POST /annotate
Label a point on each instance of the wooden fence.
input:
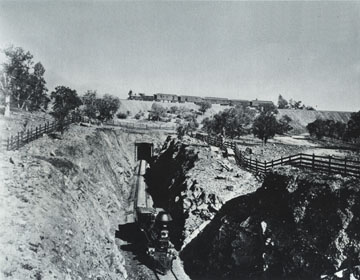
(14, 142)
(144, 126)
(327, 164)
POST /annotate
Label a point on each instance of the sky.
(307, 51)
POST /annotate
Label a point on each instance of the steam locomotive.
(154, 223)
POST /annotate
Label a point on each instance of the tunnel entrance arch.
(143, 151)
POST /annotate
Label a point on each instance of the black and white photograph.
(179, 140)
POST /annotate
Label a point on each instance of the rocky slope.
(298, 225)
(61, 202)
(192, 181)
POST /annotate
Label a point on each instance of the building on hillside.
(218, 100)
(188, 98)
(165, 97)
(239, 102)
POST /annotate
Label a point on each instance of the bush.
(122, 116)
(139, 115)
(174, 110)
(157, 112)
(204, 105)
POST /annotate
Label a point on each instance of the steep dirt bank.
(192, 181)
(298, 225)
(61, 202)
(301, 118)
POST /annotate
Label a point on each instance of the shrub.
(122, 116)
(157, 112)
(204, 105)
(139, 114)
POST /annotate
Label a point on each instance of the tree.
(107, 107)
(353, 126)
(292, 104)
(317, 128)
(190, 125)
(157, 112)
(27, 84)
(204, 105)
(89, 102)
(5, 93)
(37, 98)
(327, 128)
(283, 125)
(265, 126)
(232, 122)
(130, 94)
(282, 103)
(65, 100)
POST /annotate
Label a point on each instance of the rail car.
(154, 223)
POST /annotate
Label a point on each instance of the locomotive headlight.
(151, 251)
(164, 234)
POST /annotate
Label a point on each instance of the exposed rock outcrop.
(298, 225)
(184, 180)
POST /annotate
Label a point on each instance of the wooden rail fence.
(14, 142)
(143, 126)
(327, 164)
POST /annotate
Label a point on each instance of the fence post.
(256, 165)
(250, 165)
(329, 164)
(313, 161)
(40, 129)
(265, 165)
(18, 140)
(345, 166)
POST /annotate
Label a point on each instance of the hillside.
(61, 202)
(134, 106)
(300, 118)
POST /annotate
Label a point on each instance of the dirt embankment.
(61, 202)
(192, 181)
(298, 225)
(301, 118)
